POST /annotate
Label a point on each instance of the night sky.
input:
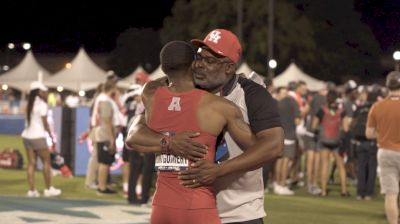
(63, 26)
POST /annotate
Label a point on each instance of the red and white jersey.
(173, 113)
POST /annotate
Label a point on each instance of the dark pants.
(254, 221)
(267, 170)
(140, 165)
(148, 174)
(367, 164)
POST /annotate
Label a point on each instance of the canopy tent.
(158, 73)
(83, 74)
(139, 72)
(293, 73)
(245, 69)
(27, 71)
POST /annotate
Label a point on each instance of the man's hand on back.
(201, 173)
(182, 144)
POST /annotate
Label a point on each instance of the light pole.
(270, 36)
(396, 57)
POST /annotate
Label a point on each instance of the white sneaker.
(277, 188)
(51, 192)
(91, 186)
(285, 191)
(33, 194)
(314, 190)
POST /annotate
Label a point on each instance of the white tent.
(245, 69)
(27, 71)
(131, 78)
(83, 74)
(293, 73)
(158, 73)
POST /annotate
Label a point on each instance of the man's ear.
(231, 68)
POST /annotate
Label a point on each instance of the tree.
(326, 38)
(194, 19)
(346, 46)
(135, 47)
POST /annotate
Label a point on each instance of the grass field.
(301, 208)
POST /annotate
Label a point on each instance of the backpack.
(11, 159)
(330, 127)
(359, 123)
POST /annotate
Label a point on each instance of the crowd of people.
(216, 150)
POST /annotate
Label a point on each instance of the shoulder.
(214, 100)
(255, 94)
(152, 86)
(380, 105)
(262, 108)
(251, 87)
(40, 103)
(218, 104)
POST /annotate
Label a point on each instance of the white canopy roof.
(27, 71)
(293, 73)
(130, 79)
(158, 73)
(84, 74)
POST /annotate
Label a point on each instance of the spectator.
(34, 139)
(383, 124)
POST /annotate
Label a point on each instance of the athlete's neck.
(181, 84)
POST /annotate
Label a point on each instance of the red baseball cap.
(222, 42)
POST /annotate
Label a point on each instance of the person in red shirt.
(180, 107)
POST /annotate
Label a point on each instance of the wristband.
(164, 143)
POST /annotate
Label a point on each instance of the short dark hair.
(176, 56)
(331, 97)
(393, 81)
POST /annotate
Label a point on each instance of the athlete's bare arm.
(234, 122)
(143, 139)
(266, 146)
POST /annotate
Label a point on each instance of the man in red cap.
(240, 192)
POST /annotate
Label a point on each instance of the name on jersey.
(166, 162)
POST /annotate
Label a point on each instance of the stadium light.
(26, 46)
(272, 63)
(60, 88)
(11, 46)
(396, 57)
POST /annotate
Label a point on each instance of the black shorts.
(329, 146)
(125, 155)
(103, 154)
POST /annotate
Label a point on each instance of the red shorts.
(167, 215)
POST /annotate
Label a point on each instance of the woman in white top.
(34, 138)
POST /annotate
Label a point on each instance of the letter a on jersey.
(175, 104)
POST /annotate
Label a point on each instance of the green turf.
(301, 208)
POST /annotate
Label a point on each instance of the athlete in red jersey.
(175, 109)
